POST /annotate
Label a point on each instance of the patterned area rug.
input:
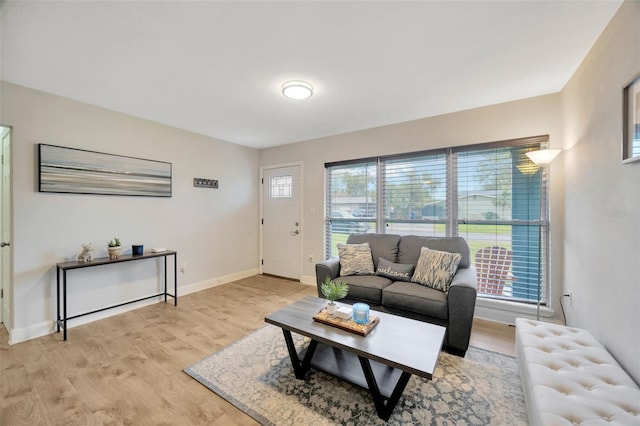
(256, 376)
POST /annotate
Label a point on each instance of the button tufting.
(569, 371)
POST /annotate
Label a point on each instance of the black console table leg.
(64, 304)
(57, 300)
(175, 279)
(165, 279)
(384, 406)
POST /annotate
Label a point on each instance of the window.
(415, 190)
(281, 187)
(351, 202)
(490, 194)
(498, 213)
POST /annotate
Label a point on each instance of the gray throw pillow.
(436, 269)
(355, 259)
(395, 271)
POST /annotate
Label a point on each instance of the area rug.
(255, 375)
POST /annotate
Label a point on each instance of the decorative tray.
(346, 324)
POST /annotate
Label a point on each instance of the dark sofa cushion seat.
(382, 245)
(366, 288)
(416, 298)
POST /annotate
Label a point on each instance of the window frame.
(452, 221)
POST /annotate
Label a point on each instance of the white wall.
(214, 231)
(530, 117)
(602, 209)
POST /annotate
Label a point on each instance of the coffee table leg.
(299, 368)
(384, 406)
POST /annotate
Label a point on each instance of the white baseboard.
(506, 312)
(17, 335)
(308, 279)
(214, 282)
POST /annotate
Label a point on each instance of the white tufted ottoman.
(569, 378)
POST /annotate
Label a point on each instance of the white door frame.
(300, 215)
(6, 278)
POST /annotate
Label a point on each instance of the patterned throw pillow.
(355, 259)
(395, 271)
(436, 268)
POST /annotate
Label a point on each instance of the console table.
(67, 266)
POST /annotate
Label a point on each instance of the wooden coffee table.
(381, 362)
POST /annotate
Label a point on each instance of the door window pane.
(281, 187)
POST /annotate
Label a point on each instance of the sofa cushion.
(382, 245)
(410, 245)
(395, 271)
(416, 298)
(366, 288)
(355, 259)
(436, 269)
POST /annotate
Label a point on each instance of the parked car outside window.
(347, 227)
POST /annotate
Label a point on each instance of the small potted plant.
(332, 291)
(114, 248)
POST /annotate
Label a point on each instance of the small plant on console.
(114, 248)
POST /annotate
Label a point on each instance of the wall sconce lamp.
(543, 157)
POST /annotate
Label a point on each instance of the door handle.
(3, 244)
(296, 232)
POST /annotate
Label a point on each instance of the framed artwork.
(70, 170)
(631, 121)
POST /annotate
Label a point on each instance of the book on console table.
(346, 324)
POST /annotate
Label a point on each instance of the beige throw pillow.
(436, 268)
(355, 259)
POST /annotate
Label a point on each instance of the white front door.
(5, 224)
(281, 226)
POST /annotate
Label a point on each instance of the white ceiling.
(216, 68)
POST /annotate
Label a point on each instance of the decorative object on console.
(78, 171)
(158, 249)
(361, 313)
(114, 248)
(137, 250)
(87, 253)
(332, 291)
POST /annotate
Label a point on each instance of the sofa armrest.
(462, 305)
(329, 268)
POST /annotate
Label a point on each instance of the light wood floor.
(127, 369)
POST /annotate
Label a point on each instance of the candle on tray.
(361, 313)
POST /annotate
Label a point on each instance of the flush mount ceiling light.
(297, 89)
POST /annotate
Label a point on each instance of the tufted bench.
(569, 378)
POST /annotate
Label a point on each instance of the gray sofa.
(453, 309)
